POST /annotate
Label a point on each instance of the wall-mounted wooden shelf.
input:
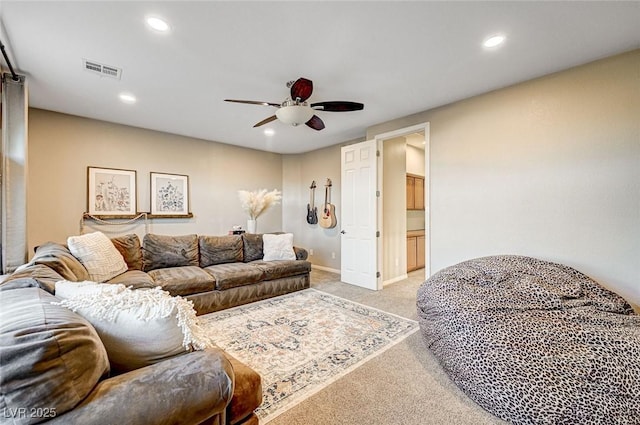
(190, 215)
(134, 216)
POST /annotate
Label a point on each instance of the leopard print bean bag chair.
(534, 342)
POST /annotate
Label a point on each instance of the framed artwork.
(111, 192)
(169, 195)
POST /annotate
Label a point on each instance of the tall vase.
(251, 225)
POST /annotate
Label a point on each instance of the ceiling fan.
(295, 110)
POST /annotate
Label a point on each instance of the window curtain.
(13, 183)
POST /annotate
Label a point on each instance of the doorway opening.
(403, 205)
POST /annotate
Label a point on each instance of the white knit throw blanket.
(144, 304)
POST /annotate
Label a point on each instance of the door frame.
(380, 138)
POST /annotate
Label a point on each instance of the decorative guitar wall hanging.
(312, 210)
(328, 218)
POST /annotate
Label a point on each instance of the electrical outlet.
(333, 255)
(311, 252)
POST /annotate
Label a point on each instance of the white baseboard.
(326, 269)
(395, 279)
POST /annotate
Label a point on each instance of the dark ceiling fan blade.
(301, 90)
(315, 122)
(265, 121)
(253, 102)
(337, 106)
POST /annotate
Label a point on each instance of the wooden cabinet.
(415, 250)
(415, 192)
(412, 253)
(411, 193)
(420, 252)
(419, 193)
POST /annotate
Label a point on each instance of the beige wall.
(415, 160)
(549, 168)
(62, 146)
(316, 165)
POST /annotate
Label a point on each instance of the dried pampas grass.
(258, 201)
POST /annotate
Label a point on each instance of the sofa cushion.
(130, 249)
(58, 258)
(161, 251)
(23, 282)
(134, 279)
(247, 391)
(183, 280)
(231, 275)
(189, 389)
(45, 276)
(252, 247)
(282, 268)
(50, 357)
(220, 249)
(98, 255)
(278, 247)
(138, 327)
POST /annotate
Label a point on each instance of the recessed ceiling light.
(127, 98)
(494, 40)
(158, 24)
(269, 132)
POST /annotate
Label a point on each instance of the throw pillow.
(130, 249)
(278, 247)
(140, 327)
(65, 289)
(98, 255)
(252, 247)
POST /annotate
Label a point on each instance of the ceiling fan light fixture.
(295, 114)
(295, 110)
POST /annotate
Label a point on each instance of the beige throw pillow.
(66, 289)
(278, 247)
(98, 255)
(137, 327)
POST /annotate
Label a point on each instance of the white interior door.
(358, 244)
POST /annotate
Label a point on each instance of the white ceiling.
(396, 57)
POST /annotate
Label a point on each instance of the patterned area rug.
(302, 342)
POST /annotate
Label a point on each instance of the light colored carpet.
(405, 385)
(303, 341)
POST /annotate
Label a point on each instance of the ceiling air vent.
(101, 69)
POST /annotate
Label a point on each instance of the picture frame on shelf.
(111, 192)
(169, 195)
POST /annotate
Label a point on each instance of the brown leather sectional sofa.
(51, 355)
